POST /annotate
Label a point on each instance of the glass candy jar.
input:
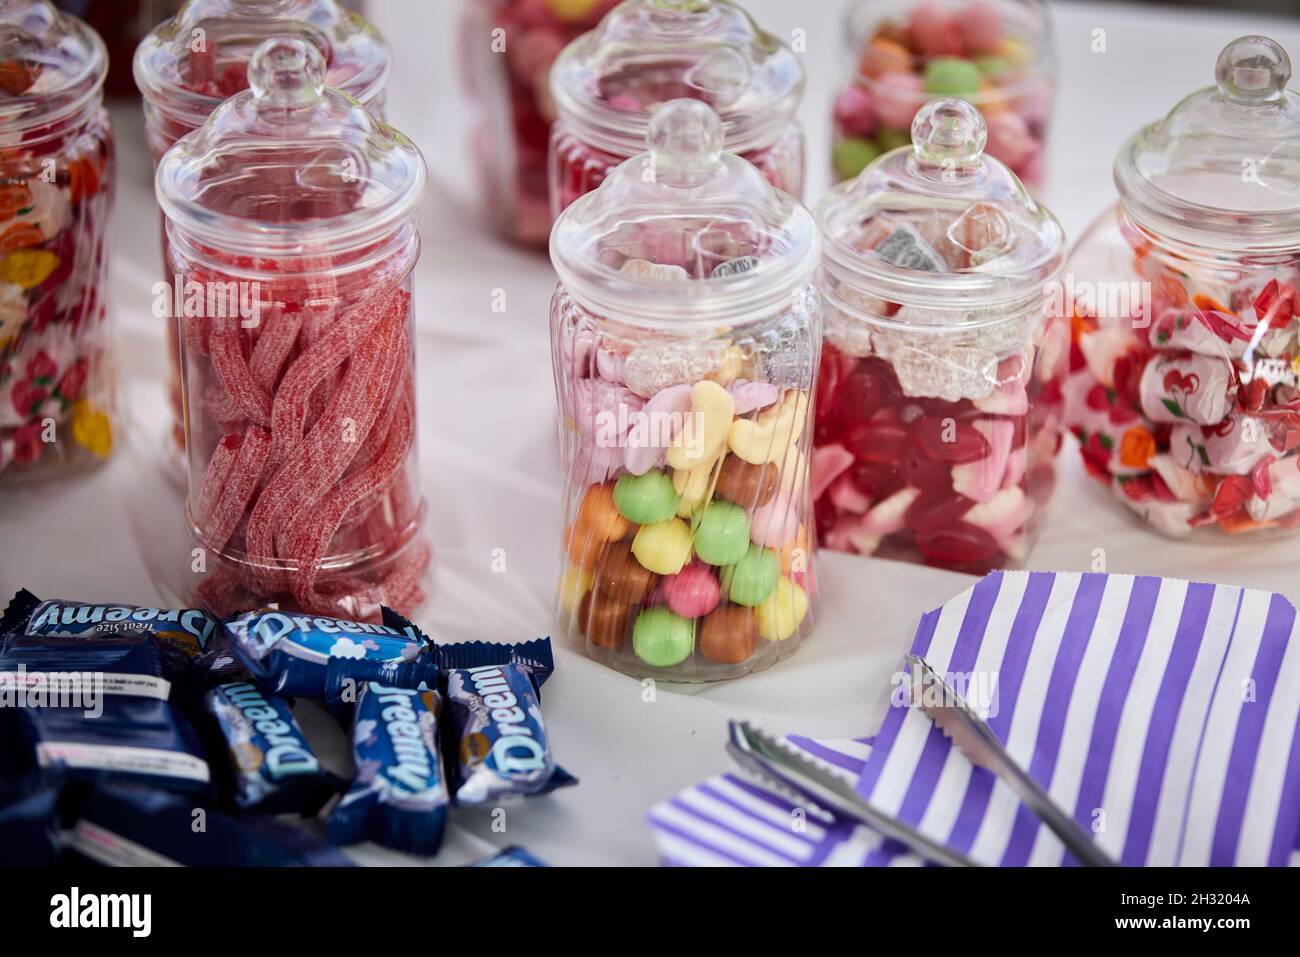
(291, 229)
(56, 186)
(607, 84)
(685, 336)
(997, 54)
(189, 64)
(508, 48)
(1184, 387)
(939, 405)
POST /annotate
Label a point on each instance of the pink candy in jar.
(996, 54)
(939, 403)
(608, 83)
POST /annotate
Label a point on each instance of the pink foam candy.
(981, 480)
(827, 464)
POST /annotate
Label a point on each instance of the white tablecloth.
(487, 441)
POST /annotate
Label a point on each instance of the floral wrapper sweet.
(272, 767)
(1181, 388)
(290, 653)
(399, 795)
(502, 749)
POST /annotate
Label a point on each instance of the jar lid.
(1223, 168)
(939, 224)
(289, 155)
(51, 65)
(610, 81)
(192, 62)
(685, 233)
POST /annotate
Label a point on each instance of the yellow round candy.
(28, 267)
(663, 548)
(574, 584)
(91, 428)
(1014, 52)
(780, 614)
(571, 10)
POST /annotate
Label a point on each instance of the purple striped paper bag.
(1162, 714)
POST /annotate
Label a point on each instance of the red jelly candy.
(878, 441)
(945, 439)
(859, 398)
(876, 480)
(936, 509)
(960, 545)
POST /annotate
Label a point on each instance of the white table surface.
(489, 469)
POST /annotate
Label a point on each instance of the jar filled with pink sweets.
(939, 405)
(508, 47)
(685, 335)
(56, 195)
(1184, 386)
(997, 54)
(608, 83)
(291, 231)
(190, 64)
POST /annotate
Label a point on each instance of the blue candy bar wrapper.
(124, 825)
(399, 796)
(289, 653)
(501, 746)
(345, 676)
(512, 856)
(28, 825)
(273, 768)
(89, 708)
(188, 630)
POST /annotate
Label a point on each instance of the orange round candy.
(884, 55)
(800, 546)
(599, 516)
(582, 547)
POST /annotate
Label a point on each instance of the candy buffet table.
(488, 459)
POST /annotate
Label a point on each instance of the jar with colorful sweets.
(685, 334)
(508, 48)
(939, 405)
(608, 83)
(291, 229)
(997, 54)
(56, 186)
(190, 64)
(1184, 386)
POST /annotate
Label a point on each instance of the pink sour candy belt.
(306, 496)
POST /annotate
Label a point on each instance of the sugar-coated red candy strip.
(277, 334)
(214, 478)
(241, 482)
(227, 354)
(219, 592)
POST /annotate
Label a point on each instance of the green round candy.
(992, 66)
(751, 580)
(893, 139)
(662, 639)
(722, 536)
(949, 76)
(850, 156)
(646, 499)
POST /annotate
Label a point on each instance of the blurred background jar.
(56, 189)
(685, 335)
(997, 54)
(940, 400)
(189, 64)
(608, 83)
(291, 227)
(1184, 390)
(508, 47)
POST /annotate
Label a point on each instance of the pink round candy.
(751, 396)
(693, 592)
(980, 25)
(775, 523)
(898, 97)
(855, 111)
(935, 32)
(1010, 139)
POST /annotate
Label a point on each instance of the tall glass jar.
(56, 195)
(1184, 390)
(508, 47)
(291, 230)
(685, 334)
(608, 83)
(997, 54)
(939, 408)
(189, 64)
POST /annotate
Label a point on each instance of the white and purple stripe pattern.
(1161, 713)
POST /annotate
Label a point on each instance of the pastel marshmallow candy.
(704, 432)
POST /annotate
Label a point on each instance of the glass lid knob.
(685, 140)
(287, 71)
(1252, 70)
(948, 135)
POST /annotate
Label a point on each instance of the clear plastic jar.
(189, 64)
(1184, 391)
(685, 337)
(508, 48)
(939, 406)
(291, 230)
(997, 54)
(56, 195)
(608, 83)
